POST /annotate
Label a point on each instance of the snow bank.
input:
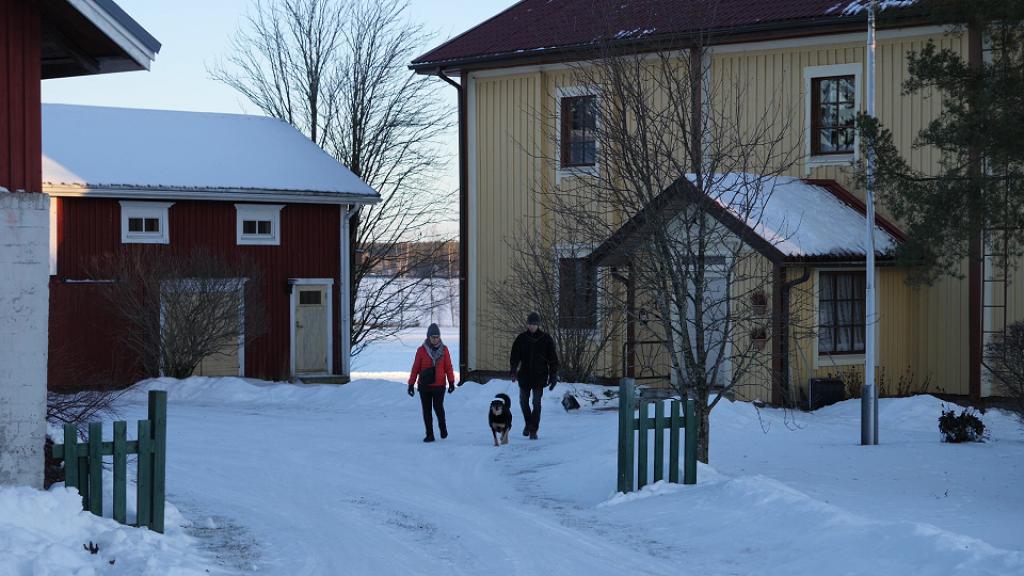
(43, 533)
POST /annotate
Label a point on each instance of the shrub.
(963, 427)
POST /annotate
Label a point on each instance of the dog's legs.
(495, 434)
(504, 436)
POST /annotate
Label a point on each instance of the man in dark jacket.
(534, 364)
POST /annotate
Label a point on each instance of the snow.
(798, 218)
(325, 479)
(858, 6)
(99, 147)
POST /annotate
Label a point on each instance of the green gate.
(635, 428)
(84, 468)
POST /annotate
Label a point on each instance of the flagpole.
(869, 393)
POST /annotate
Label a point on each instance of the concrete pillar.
(24, 314)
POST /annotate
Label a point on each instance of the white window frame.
(810, 73)
(271, 212)
(570, 171)
(132, 209)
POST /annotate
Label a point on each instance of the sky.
(196, 34)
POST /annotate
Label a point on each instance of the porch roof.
(122, 152)
(784, 218)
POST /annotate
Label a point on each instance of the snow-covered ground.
(323, 479)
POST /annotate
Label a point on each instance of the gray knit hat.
(433, 330)
(533, 318)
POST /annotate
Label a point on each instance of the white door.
(716, 310)
(311, 329)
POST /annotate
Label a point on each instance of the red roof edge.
(846, 197)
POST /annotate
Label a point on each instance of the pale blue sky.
(196, 33)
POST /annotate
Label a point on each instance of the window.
(577, 294)
(841, 312)
(259, 224)
(309, 297)
(145, 223)
(833, 115)
(579, 121)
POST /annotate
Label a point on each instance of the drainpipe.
(781, 290)
(345, 307)
(463, 225)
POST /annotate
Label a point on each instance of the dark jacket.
(534, 359)
(442, 370)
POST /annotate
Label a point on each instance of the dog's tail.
(506, 400)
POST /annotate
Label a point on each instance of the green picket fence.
(84, 468)
(635, 428)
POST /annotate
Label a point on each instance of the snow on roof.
(799, 218)
(102, 148)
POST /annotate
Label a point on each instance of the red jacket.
(423, 361)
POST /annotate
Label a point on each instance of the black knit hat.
(433, 330)
(533, 318)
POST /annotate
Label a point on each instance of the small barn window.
(309, 297)
(577, 294)
(259, 224)
(841, 312)
(579, 123)
(144, 222)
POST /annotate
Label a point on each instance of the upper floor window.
(833, 115)
(258, 224)
(577, 294)
(145, 222)
(579, 122)
(841, 312)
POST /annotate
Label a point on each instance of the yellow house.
(523, 119)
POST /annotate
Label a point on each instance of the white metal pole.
(869, 396)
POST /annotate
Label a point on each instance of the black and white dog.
(499, 418)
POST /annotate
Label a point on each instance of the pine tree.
(979, 133)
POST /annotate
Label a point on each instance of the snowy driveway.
(282, 479)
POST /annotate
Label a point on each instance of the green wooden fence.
(635, 427)
(85, 470)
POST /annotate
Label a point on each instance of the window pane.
(846, 89)
(579, 119)
(264, 227)
(847, 115)
(248, 227)
(826, 90)
(152, 224)
(826, 139)
(309, 297)
(135, 225)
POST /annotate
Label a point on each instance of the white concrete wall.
(24, 311)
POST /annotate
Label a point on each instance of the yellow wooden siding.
(223, 363)
(507, 139)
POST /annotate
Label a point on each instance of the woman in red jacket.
(431, 367)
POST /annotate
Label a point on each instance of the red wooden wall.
(20, 75)
(83, 335)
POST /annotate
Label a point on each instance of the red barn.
(127, 180)
(39, 40)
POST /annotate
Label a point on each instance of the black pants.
(531, 417)
(433, 396)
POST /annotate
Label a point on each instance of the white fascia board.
(218, 195)
(113, 29)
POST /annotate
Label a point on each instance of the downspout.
(781, 290)
(345, 305)
(463, 226)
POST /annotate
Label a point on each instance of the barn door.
(311, 330)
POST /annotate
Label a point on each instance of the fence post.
(675, 423)
(120, 472)
(96, 468)
(641, 449)
(659, 440)
(158, 420)
(144, 497)
(70, 456)
(690, 457)
(625, 483)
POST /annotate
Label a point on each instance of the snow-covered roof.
(785, 218)
(122, 149)
(798, 218)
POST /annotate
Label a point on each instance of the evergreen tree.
(979, 133)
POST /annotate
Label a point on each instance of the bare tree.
(182, 308)
(1007, 351)
(674, 148)
(570, 303)
(336, 70)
